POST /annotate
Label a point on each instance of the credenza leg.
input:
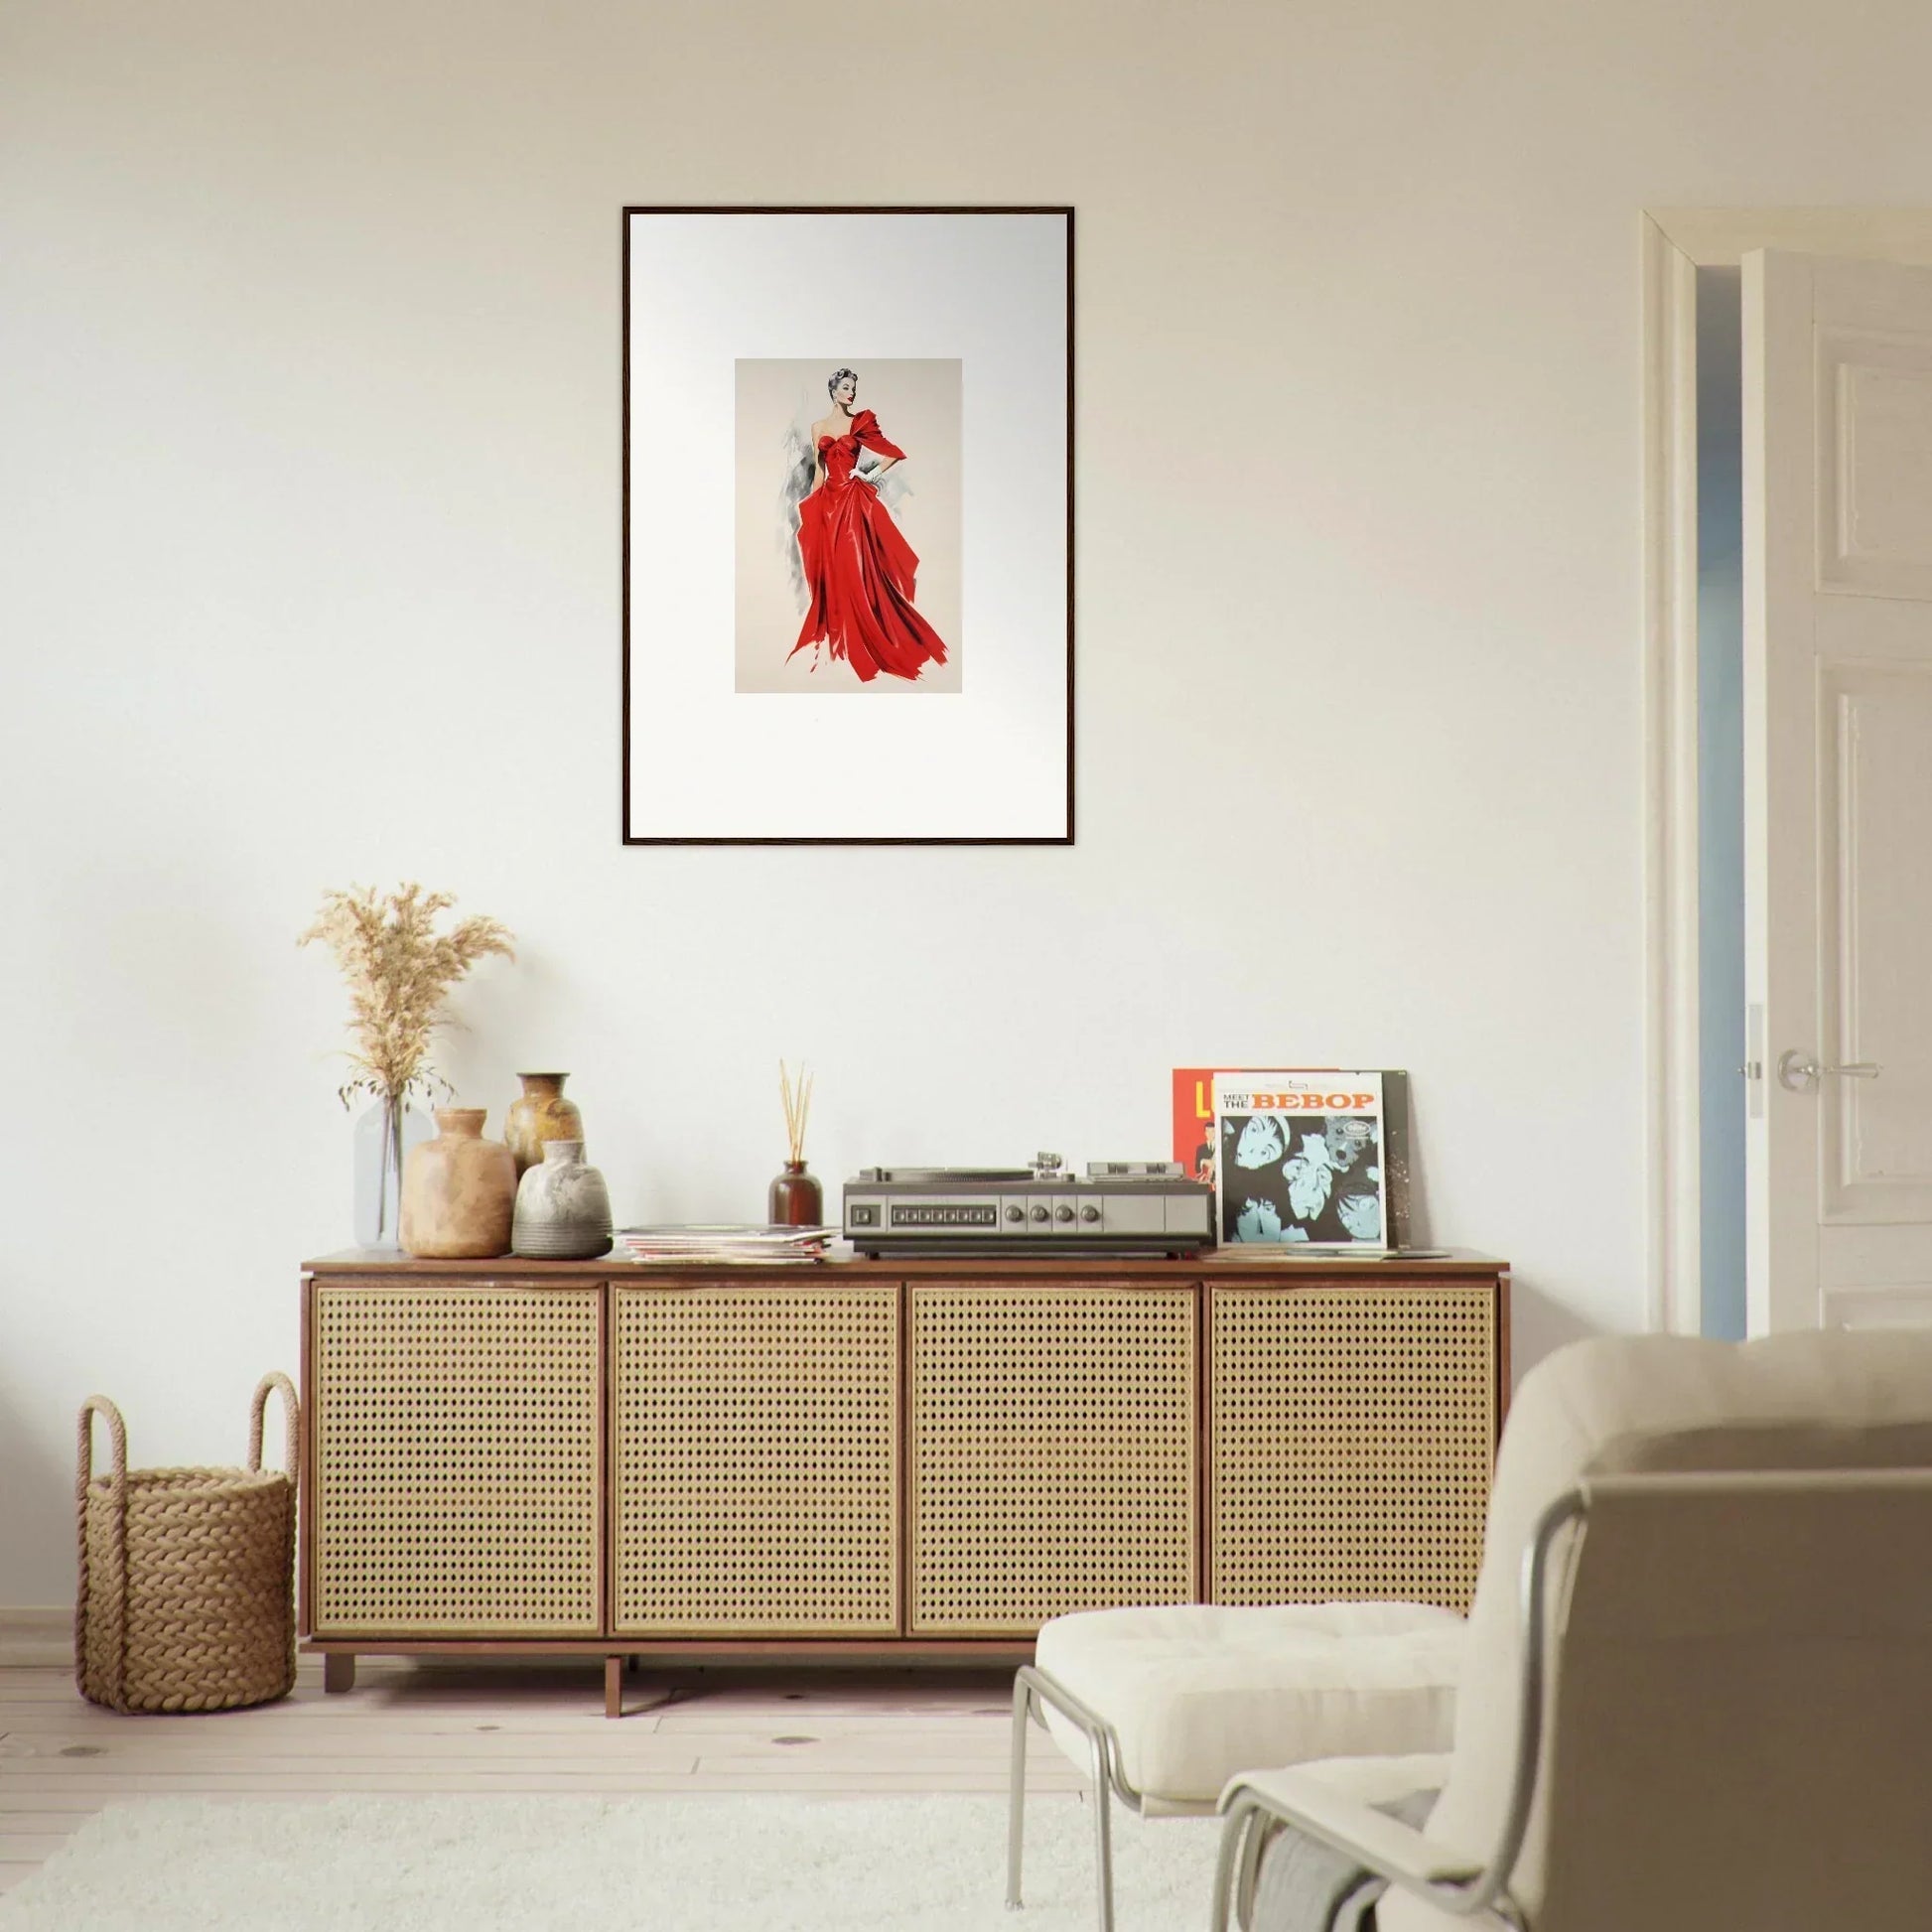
(338, 1670)
(613, 1687)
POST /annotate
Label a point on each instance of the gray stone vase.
(563, 1209)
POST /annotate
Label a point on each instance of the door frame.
(1675, 243)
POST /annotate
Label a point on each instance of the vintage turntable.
(1117, 1208)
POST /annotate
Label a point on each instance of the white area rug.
(763, 1864)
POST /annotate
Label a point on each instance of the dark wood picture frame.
(631, 835)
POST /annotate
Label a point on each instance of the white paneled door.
(1837, 808)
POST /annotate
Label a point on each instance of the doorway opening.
(1721, 801)
(1715, 1215)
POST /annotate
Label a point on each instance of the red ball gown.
(859, 568)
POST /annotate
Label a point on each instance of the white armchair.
(1698, 1690)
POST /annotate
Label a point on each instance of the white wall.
(309, 450)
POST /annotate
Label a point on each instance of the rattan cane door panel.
(456, 1474)
(754, 1460)
(1352, 1439)
(1053, 1461)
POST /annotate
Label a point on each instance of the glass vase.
(795, 1199)
(385, 1131)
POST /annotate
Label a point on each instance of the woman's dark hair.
(835, 378)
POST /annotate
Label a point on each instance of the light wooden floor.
(442, 1728)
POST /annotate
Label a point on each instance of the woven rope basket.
(186, 1596)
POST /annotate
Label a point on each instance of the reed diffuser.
(795, 1199)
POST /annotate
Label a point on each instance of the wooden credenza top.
(1212, 1265)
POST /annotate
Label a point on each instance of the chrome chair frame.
(1480, 1895)
(1032, 1689)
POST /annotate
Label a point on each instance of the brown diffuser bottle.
(795, 1199)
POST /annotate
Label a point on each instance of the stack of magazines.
(723, 1241)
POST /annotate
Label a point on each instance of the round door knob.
(1062, 1213)
(1039, 1214)
(1016, 1212)
(1089, 1213)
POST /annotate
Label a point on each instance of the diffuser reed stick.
(797, 1099)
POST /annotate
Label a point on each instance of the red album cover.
(1194, 1120)
(1194, 1117)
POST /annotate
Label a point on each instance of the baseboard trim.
(38, 1636)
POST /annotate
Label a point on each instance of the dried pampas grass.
(399, 971)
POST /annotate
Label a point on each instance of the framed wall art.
(848, 525)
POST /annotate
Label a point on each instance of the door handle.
(1801, 1072)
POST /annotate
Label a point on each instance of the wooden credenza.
(906, 1459)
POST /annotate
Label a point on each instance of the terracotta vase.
(459, 1190)
(795, 1199)
(563, 1209)
(541, 1114)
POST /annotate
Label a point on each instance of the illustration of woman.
(858, 568)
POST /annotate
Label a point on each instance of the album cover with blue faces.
(1302, 1158)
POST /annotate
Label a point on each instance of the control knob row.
(1041, 1213)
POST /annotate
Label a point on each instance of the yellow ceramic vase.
(459, 1192)
(542, 1114)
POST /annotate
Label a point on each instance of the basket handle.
(98, 1404)
(275, 1379)
(114, 1643)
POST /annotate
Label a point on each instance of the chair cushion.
(1197, 1692)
